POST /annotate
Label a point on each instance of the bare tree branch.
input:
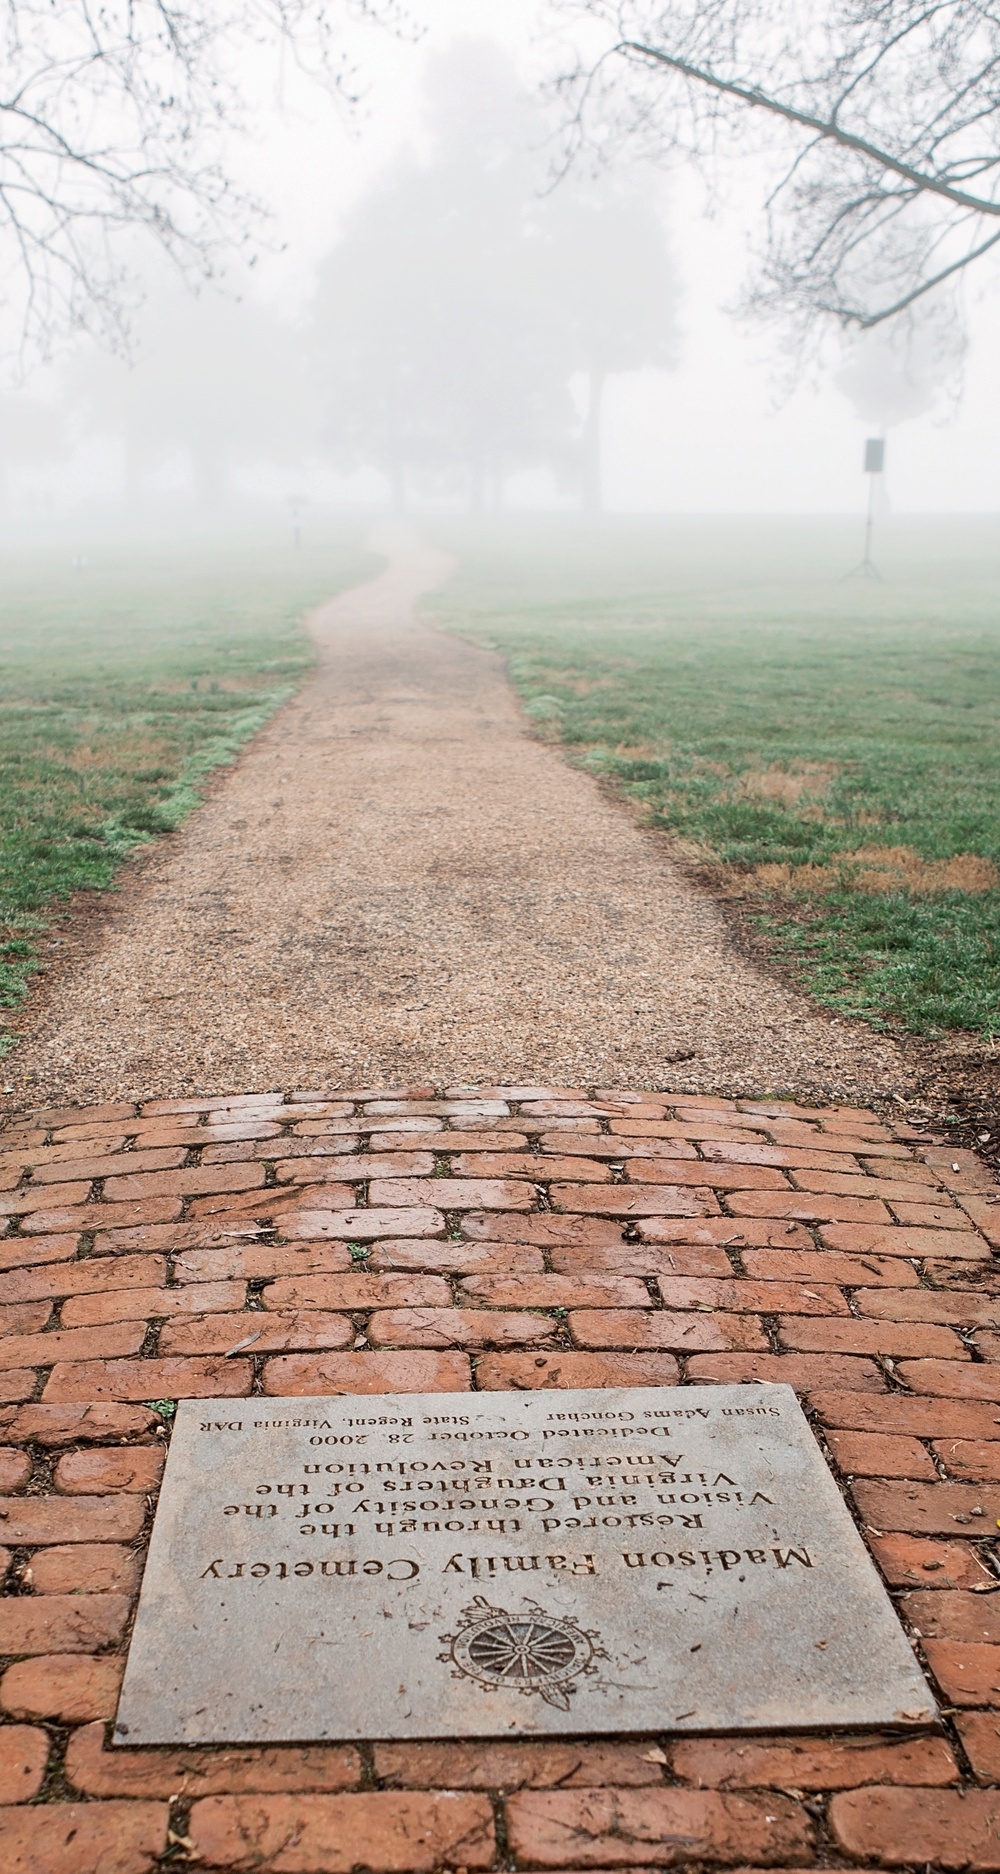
(117, 119)
(885, 115)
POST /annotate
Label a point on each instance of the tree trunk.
(397, 485)
(592, 490)
(477, 484)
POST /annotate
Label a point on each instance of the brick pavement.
(507, 1237)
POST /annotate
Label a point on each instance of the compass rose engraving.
(529, 1652)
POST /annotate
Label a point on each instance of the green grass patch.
(830, 746)
(123, 685)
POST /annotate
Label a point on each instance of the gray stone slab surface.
(507, 1564)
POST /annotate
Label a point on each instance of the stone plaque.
(484, 1564)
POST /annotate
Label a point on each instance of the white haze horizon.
(715, 435)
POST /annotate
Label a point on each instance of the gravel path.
(397, 884)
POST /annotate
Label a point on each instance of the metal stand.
(866, 568)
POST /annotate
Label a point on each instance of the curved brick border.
(499, 1237)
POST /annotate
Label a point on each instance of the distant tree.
(33, 433)
(615, 288)
(439, 348)
(115, 118)
(214, 379)
(885, 115)
(462, 298)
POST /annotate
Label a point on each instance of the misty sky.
(715, 435)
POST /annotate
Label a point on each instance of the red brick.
(967, 1674)
(24, 1753)
(150, 1379)
(812, 1763)
(916, 1176)
(617, 1149)
(506, 1765)
(803, 1208)
(456, 1327)
(740, 1233)
(192, 1181)
(83, 1838)
(540, 1168)
(605, 1828)
(525, 1372)
(110, 1111)
(710, 1126)
(26, 1317)
(951, 1379)
(83, 1343)
(742, 1295)
(714, 1176)
(959, 1170)
(363, 1226)
(681, 1333)
(941, 1216)
(226, 1208)
(191, 1773)
(959, 1306)
(911, 1562)
(914, 1338)
(17, 1252)
(894, 1191)
(980, 1735)
(18, 1384)
(134, 1467)
(399, 1136)
(312, 1168)
(5, 1561)
(360, 1291)
(635, 1200)
(15, 1468)
(983, 1212)
(91, 1424)
(858, 1239)
(971, 1617)
(554, 1291)
(827, 1265)
(21, 1203)
(84, 1568)
(639, 1259)
(106, 1165)
(257, 1333)
(542, 1227)
(336, 1373)
(254, 1261)
(806, 1371)
(86, 1278)
(217, 1102)
(972, 1458)
(396, 1255)
(787, 1157)
(67, 1687)
(408, 1106)
(452, 1193)
(147, 1304)
(31, 1520)
(867, 1454)
(380, 1829)
(61, 1623)
(106, 1216)
(956, 1274)
(929, 1509)
(920, 1417)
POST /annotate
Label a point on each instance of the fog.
(435, 322)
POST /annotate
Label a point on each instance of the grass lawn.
(122, 685)
(829, 748)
